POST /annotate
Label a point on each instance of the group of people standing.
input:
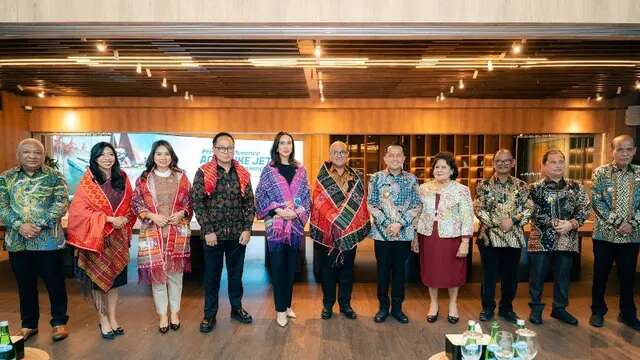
(434, 219)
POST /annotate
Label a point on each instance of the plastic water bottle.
(471, 348)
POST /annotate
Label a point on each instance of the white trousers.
(168, 294)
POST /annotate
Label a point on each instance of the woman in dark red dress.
(444, 229)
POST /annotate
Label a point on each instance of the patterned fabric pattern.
(155, 259)
(339, 220)
(564, 200)
(87, 224)
(274, 192)
(227, 211)
(616, 199)
(496, 200)
(41, 199)
(210, 171)
(454, 211)
(393, 199)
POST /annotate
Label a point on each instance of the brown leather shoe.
(27, 333)
(59, 333)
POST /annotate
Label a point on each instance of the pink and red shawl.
(155, 259)
(274, 192)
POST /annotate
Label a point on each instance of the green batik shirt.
(496, 200)
(616, 199)
(40, 199)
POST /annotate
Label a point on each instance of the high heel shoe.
(119, 331)
(453, 319)
(433, 318)
(174, 327)
(108, 336)
(290, 313)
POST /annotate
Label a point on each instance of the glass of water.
(504, 341)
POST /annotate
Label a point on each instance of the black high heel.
(453, 319)
(433, 318)
(119, 331)
(108, 336)
(174, 327)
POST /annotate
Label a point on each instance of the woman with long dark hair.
(100, 223)
(284, 202)
(162, 201)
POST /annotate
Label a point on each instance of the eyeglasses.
(503, 162)
(340, 153)
(224, 150)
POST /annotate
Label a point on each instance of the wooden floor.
(307, 337)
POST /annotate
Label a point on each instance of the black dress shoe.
(509, 316)
(381, 316)
(432, 318)
(326, 314)
(486, 315)
(174, 327)
(631, 322)
(536, 317)
(241, 315)
(400, 316)
(596, 320)
(564, 316)
(207, 324)
(453, 319)
(349, 313)
(119, 331)
(107, 336)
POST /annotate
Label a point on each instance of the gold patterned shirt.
(496, 200)
(616, 200)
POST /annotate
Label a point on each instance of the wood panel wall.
(13, 128)
(313, 121)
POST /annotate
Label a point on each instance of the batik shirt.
(565, 200)
(40, 199)
(616, 199)
(393, 199)
(226, 212)
(496, 200)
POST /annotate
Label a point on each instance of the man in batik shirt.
(616, 233)
(503, 207)
(33, 199)
(394, 203)
(560, 207)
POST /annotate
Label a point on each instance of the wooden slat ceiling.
(284, 82)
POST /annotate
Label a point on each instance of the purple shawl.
(274, 192)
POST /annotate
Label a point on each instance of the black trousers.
(391, 257)
(499, 262)
(27, 266)
(626, 259)
(234, 253)
(340, 270)
(540, 262)
(284, 261)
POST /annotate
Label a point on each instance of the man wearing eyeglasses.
(339, 220)
(503, 207)
(223, 202)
